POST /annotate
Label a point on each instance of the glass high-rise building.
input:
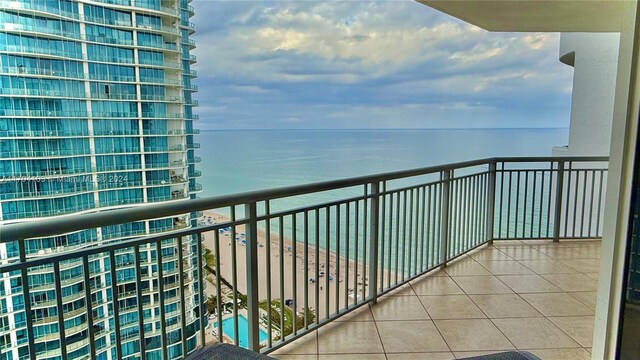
(96, 113)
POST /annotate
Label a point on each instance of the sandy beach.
(330, 280)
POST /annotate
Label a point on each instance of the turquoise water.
(239, 161)
(243, 330)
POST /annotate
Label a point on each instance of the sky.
(370, 64)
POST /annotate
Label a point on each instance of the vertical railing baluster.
(418, 246)
(183, 306)
(404, 234)
(549, 196)
(468, 212)
(381, 237)
(136, 264)
(282, 268)
(454, 217)
(558, 205)
(365, 230)
(201, 279)
(294, 271)
(584, 203)
(251, 234)
(397, 247)
(234, 278)
(60, 310)
(28, 316)
(89, 305)
(409, 217)
(509, 191)
(430, 229)
(423, 228)
(163, 318)
(482, 190)
(501, 200)
(600, 185)
(491, 201)
(541, 211)
(373, 242)
(316, 295)
(591, 199)
(420, 212)
(567, 207)
(444, 216)
(472, 196)
(524, 207)
(337, 278)
(114, 301)
(327, 260)
(437, 222)
(517, 205)
(347, 255)
(267, 212)
(216, 245)
(575, 204)
(390, 239)
(533, 203)
(306, 267)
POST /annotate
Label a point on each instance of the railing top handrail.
(64, 224)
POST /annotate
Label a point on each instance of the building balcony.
(164, 29)
(447, 261)
(37, 7)
(153, 8)
(190, 42)
(190, 9)
(537, 296)
(189, 25)
(195, 160)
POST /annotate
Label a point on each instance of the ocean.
(240, 161)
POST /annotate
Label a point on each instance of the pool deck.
(242, 313)
(537, 296)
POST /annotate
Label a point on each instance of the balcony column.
(251, 232)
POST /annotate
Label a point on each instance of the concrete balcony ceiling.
(535, 15)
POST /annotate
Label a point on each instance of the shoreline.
(322, 279)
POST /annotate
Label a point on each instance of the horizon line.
(395, 129)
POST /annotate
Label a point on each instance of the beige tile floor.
(536, 296)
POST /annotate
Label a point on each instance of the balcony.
(445, 261)
(536, 296)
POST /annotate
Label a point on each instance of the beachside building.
(96, 114)
(594, 58)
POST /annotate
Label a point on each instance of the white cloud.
(369, 55)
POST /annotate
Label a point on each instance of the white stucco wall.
(594, 57)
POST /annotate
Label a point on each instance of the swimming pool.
(243, 330)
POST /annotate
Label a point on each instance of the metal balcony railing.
(371, 235)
